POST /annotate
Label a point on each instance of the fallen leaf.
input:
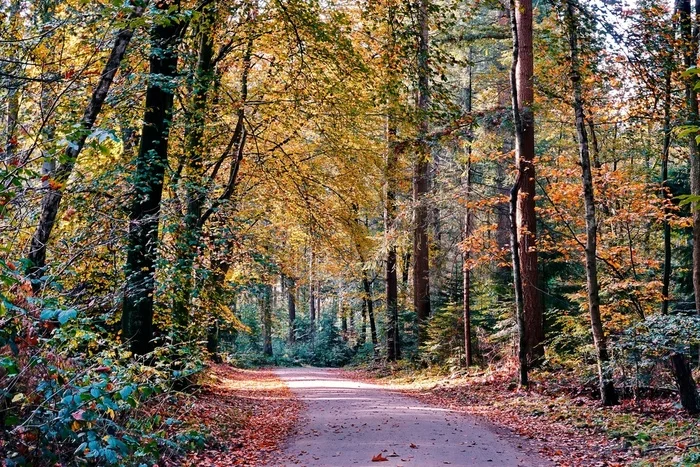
(379, 458)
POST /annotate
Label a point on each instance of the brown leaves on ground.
(248, 412)
(379, 458)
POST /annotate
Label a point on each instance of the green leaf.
(126, 392)
(49, 314)
(66, 315)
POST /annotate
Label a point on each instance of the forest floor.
(569, 430)
(246, 414)
(347, 423)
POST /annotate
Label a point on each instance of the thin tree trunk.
(343, 320)
(421, 181)
(468, 219)
(369, 305)
(291, 309)
(52, 198)
(525, 155)
(466, 267)
(267, 320)
(392, 306)
(312, 295)
(665, 290)
(142, 246)
(363, 324)
(607, 389)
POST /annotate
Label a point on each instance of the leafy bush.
(70, 396)
(640, 354)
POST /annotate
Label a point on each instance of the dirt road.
(347, 423)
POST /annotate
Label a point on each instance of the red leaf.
(379, 458)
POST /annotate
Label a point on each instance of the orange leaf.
(379, 458)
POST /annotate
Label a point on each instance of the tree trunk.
(686, 384)
(690, 50)
(51, 201)
(343, 320)
(525, 155)
(466, 267)
(514, 206)
(312, 296)
(665, 290)
(369, 305)
(142, 246)
(189, 241)
(267, 320)
(292, 309)
(363, 325)
(421, 185)
(468, 219)
(607, 389)
(392, 306)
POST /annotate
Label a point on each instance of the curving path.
(346, 423)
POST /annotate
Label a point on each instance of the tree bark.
(514, 206)
(144, 217)
(607, 389)
(392, 306)
(690, 50)
(267, 320)
(525, 155)
(312, 295)
(665, 290)
(195, 149)
(291, 309)
(51, 201)
(421, 182)
(369, 305)
(686, 384)
(466, 267)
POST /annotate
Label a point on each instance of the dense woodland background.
(301, 182)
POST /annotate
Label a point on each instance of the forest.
(502, 196)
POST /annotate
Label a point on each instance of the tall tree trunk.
(607, 389)
(421, 181)
(665, 290)
(267, 320)
(144, 217)
(466, 267)
(51, 201)
(690, 50)
(369, 306)
(392, 305)
(515, 249)
(189, 242)
(342, 309)
(468, 219)
(363, 325)
(291, 309)
(525, 155)
(312, 295)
